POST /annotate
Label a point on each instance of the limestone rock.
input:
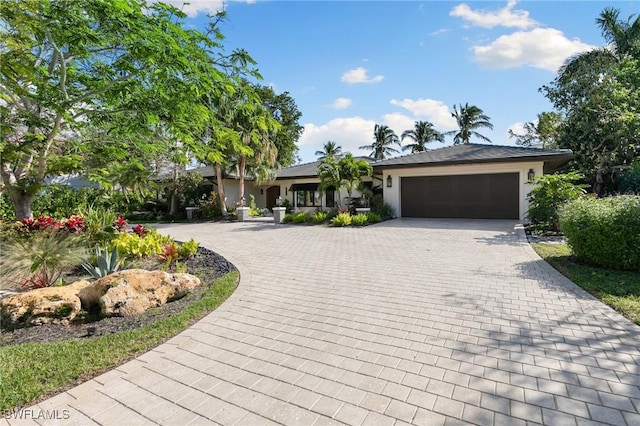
(133, 291)
(44, 305)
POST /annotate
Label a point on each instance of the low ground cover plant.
(604, 231)
(320, 217)
(359, 220)
(341, 220)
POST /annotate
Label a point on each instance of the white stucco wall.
(392, 195)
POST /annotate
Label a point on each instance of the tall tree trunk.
(22, 203)
(173, 205)
(223, 202)
(173, 209)
(242, 168)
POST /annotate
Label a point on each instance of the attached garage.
(470, 181)
(479, 196)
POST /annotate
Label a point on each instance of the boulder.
(133, 291)
(49, 305)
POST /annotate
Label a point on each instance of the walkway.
(424, 322)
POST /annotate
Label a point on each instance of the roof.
(308, 170)
(475, 153)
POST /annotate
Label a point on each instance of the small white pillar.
(243, 213)
(278, 214)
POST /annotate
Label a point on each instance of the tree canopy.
(598, 93)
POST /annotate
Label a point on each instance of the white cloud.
(398, 122)
(197, 6)
(545, 48)
(359, 75)
(348, 132)
(505, 17)
(434, 111)
(438, 32)
(342, 103)
(517, 128)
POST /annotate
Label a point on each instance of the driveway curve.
(422, 322)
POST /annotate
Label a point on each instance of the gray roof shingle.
(475, 153)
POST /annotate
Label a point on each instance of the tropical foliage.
(598, 94)
(545, 131)
(329, 149)
(383, 139)
(123, 91)
(422, 134)
(347, 173)
(469, 118)
(549, 194)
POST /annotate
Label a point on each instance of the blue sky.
(352, 64)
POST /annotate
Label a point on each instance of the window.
(331, 197)
(308, 199)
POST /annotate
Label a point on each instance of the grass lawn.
(29, 371)
(618, 289)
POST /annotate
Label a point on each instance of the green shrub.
(288, 218)
(342, 219)
(382, 209)
(301, 217)
(99, 225)
(137, 245)
(188, 249)
(287, 205)
(629, 181)
(6, 208)
(253, 209)
(359, 220)
(320, 217)
(373, 217)
(604, 232)
(210, 208)
(548, 195)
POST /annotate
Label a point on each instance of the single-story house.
(472, 181)
(466, 181)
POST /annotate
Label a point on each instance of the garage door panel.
(486, 196)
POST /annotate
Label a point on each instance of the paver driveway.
(409, 321)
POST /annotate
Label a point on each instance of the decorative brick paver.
(405, 322)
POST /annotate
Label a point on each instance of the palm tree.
(469, 118)
(330, 149)
(383, 137)
(623, 40)
(422, 133)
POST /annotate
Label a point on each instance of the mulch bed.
(206, 264)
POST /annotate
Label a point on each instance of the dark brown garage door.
(488, 196)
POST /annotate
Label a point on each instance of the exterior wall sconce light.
(261, 191)
(389, 181)
(286, 192)
(531, 174)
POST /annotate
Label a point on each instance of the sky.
(352, 64)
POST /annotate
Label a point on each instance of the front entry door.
(273, 193)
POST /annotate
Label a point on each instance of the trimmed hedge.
(605, 231)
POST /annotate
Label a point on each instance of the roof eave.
(544, 158)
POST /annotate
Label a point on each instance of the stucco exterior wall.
(392, 195)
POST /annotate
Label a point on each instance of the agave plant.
(107, 262)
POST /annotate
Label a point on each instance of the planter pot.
(278, 214)
(243, 213)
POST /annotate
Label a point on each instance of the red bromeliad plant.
(139, 230)
(120, 224)
(74, 224)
